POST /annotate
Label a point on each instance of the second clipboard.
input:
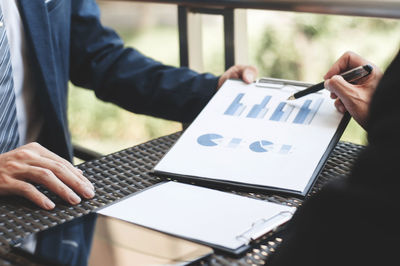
(227, 222)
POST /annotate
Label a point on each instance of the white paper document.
(205, 215)
(250, 134)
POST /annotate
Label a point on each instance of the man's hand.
(354, 98)
(247, 73)
(33, 163)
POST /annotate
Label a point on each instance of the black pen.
(350, 76)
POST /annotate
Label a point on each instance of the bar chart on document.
(281, 113)
(252, 134)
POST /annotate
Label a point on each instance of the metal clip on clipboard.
(273, 83)
(263, 226)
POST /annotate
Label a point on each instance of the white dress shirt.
(29, 118)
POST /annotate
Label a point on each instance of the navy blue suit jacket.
(68, 43)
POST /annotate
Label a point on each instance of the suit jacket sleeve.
(126, 77)
(355, 221)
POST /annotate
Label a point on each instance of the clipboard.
(232, 115)
(226, 222)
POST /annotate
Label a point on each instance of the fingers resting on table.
(33, 164)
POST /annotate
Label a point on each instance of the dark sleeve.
(355, 221)
(124, 76)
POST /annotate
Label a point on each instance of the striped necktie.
(9, 137)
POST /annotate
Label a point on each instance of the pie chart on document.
(261, 146)
(210, 140)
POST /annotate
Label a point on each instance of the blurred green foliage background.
(281, 44)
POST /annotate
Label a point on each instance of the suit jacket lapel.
(37, 30)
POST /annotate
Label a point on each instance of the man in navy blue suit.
(52, 42)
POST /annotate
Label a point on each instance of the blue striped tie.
(9, 137)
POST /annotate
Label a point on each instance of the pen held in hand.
(350, 76)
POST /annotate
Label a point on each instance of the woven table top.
(122, 173)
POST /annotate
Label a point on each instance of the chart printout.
(252, 134)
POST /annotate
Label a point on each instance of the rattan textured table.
(120, 174)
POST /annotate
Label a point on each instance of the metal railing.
(233, 18)
(371, 8)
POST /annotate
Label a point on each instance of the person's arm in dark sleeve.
(355, 221)
(126, 77)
